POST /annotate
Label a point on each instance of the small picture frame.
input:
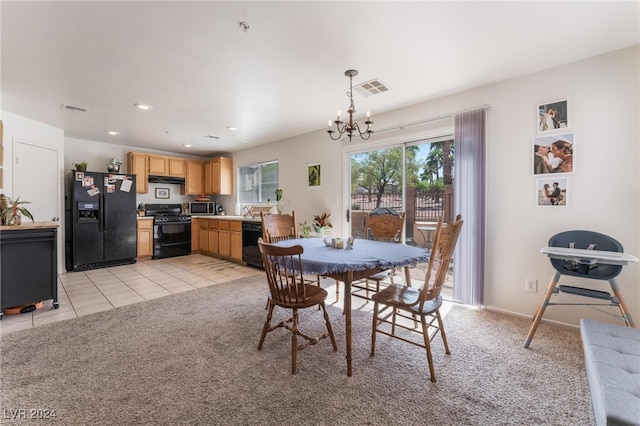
(553, 154)
(552, 192)
(314, 175)
(553, 116)
(162, 193)
(79, 176)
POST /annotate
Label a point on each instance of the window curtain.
(469, 172)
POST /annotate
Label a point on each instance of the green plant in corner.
(10, 215)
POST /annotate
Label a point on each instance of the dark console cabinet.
(28, 267)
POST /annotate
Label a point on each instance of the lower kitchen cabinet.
(195, 235)
(145, 237)
(212, 236)
(236, 241)
(203, 235)
(224, 242)
(218, 237)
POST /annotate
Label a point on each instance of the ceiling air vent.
(371, 87)
(73, 108)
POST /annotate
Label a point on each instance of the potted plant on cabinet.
(12, 213)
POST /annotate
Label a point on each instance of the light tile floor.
(84, 293)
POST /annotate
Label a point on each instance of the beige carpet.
(191, 359)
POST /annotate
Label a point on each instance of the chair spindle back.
(446, 236)
(283, 267)
(384, 227)
(278, 227)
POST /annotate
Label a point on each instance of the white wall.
(605, 188)
(18, 128)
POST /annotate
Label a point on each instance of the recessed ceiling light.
(187, 145)
(112, 132)
(233, 129)
(144, 107)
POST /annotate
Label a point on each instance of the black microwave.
(202, 208)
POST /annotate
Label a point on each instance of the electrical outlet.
(531, 285)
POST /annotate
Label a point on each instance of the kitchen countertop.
(225, 217)
(198, 216)
(30, 225)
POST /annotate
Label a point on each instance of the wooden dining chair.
(278, 227)
(409, 302)
(289, 290)
(281, 227)
(380, 228)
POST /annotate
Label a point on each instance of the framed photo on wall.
(553, 154)
(162, 193)
(314, 175)
(553, 116)
(552, 191)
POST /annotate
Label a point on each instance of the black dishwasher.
(251, 231)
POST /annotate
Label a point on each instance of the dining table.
(363, 259)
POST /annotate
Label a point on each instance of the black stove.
(171, 218)
(166, 213)
(171, 230)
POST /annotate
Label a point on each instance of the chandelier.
(350, 127)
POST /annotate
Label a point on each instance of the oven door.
(171, 239)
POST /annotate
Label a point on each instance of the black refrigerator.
(100, 220)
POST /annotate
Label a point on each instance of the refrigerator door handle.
(103, 219)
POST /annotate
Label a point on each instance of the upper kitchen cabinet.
(138, 164)
(194, 180)
(160, 165)
(218, 176)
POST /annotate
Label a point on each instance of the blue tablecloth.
(366, 254)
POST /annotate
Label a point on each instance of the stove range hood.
(166, 179)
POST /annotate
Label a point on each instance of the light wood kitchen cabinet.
(194, 179)
(224, 239)
(213, 237)
(203, 235)
(218, 237)
(218, 176)
(195, 235)
(236, 241)
(230, 240)
(177, 167)
(138, 164)
(145, 237)
(160, 165)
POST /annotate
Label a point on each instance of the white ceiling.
(284, 76)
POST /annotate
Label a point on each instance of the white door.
(34, 179)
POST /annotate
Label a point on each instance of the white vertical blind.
(469, 140)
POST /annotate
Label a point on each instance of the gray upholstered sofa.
(612, 363)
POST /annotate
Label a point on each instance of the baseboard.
(520, 315)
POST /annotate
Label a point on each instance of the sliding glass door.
(413, 177)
